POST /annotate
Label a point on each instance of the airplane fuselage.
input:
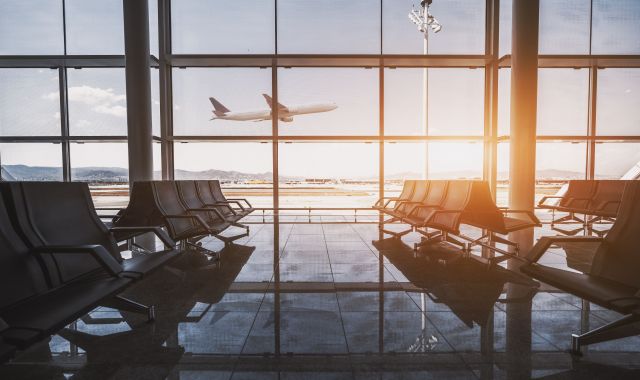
(284, 114)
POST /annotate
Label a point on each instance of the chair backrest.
(618, 257)
(168, 203)
(21, 275)
(59, 213)
(204, 192)
(420, 191)
(188, 192)
(458, 195)
(481, 210)
(578, 194)
(436, 194)
(189, 195)
(216, 190)
(142, 209)
(407, 189)
(607, 197)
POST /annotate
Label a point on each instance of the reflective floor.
(333, 300)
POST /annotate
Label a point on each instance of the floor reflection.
(300, 300)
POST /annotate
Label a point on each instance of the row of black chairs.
(437, 208)
(190, 211)
(599, 199)
(59, 261)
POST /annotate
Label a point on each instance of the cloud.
(116, 110)
(104, 101)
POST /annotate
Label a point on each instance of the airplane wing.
(270, 103)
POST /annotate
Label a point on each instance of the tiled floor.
(333, 301)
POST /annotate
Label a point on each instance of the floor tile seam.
(344, 330)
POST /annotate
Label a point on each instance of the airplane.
(285, 113)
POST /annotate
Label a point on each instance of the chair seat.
(147, 263)
(598, 290)
(51, 311)
(394, 213)
(6, 351)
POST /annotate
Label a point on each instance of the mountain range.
(116, 174)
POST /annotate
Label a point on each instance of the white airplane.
(285, 113)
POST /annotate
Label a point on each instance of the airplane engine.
(288, 119)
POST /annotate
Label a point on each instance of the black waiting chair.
(62, 213)
(612, 280)
(188, 192)
(159, 203)
(207, 199)
(218, 195)
(403, 208)
(43, 289)
(405, 195)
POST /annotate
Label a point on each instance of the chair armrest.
(437, 212)
(571, 200)
(222, 205)
(420, 207)
(389, 200)
(197, 218)
(240, 199)
(159, 232)
(544, 199)
(209, 210)
(98, 252)
(530, 214)
(230, 202)
(543, 244)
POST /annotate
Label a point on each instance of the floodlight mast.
(425, 21)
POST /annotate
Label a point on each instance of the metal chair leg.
(626, 326)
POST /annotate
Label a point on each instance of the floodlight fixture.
(423, 19)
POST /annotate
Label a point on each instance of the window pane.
(29, 102)
(311, 95)
(94, 26)
(450, 90)
(404, 102)
(97, 102)
(617, 108)
(456, 102)
(157, 161)
(31, 161)
(455, 160)
(328, 174)
(403, 160)
(616, 27)
(564, 26)
(240, 91)
(463, 26)
(223, 27)
(558, 162)
(504, 102)
(153, 28)
(614, 160)
(244, 169)
(329, 26)
(502, 196)
(31, 27)
(505, 28)
(563, 102)
(99, 162)
(155, 101)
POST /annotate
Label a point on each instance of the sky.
(29, 99)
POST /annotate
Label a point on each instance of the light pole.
(425, 21)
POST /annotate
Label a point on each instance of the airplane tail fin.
(219, 109)
(270, 103)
